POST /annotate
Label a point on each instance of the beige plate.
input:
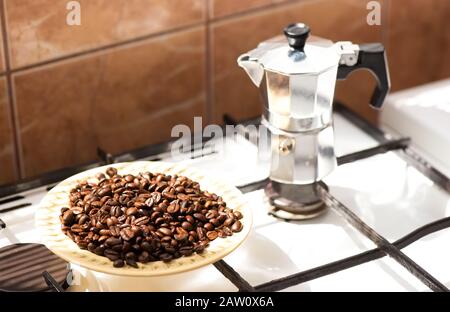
(47, 221)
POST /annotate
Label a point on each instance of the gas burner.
(27, 267)
(291, 202)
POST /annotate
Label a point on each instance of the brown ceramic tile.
(418, 42)
(7, 155)
(444, 67)
(2, 54)
(38, 29)
(220, 8)
(234, 93)
(120, 100)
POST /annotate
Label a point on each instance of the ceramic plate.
(47, 221)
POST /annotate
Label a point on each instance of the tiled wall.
(135, 68)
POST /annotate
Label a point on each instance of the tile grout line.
(106, 48)
(257, 9)
(19, 165)
(386, 23)
(208, 58)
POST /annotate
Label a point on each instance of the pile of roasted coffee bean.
(148, 217)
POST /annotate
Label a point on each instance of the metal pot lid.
(299, 55)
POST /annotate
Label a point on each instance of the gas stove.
(383, 230)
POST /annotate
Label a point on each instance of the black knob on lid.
(296, 35)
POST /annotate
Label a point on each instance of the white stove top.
(386, 193)
(422, 113)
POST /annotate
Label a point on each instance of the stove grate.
(382, 242)
(384, 247)
(352, 261)
(51, 282)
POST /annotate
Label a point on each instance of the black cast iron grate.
(384, 247)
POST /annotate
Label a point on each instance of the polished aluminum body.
(298, 89)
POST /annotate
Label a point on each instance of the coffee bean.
(237, 226)
(182, 197)
(68, 217)
(146, 246)
(190, 219)
(105, 191)
(212, 214)
(155, 215)
(165, 231)
(111, 254)
(110, 222)
(118, 247)
(126, 234)
(129, 178)
(166, 257)
(82, 245)
(199, 248)
(115, 231)
(132, 263)
(130, 255)
(221, 233)
(186, 251)
(91, 247)
(173, 208)
(201, 233)
(99, 250)
(238, 215)
(200, 217)
(156, 197)
(137, 230)
(228, 222)
(76, 228)
(112, 241)
(105, 232)
(186, 225)
(212, 235)
(102, 239)
(222, 218)
(111, 171)
(83, 219)
(181, 237)
(100, 176)
(132, 211)
(209, 227)
(119, 263)
(144, 257)
(179, 189)
(215, 221)
(149, 202)
(142, 221)
(227, 231)
(126, 246)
